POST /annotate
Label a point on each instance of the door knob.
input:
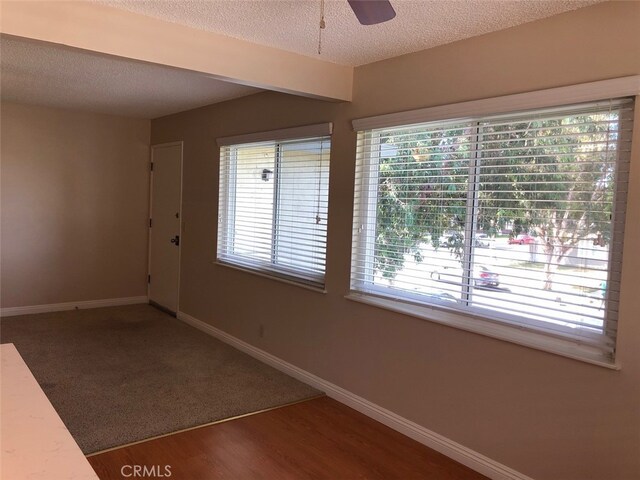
(176, 240)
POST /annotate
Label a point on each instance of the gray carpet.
(121, 374)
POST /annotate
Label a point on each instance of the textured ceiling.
(50, 75)
(293, 24)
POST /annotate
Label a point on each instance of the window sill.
(271, 276)
(538, 341)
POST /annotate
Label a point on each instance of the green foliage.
(549, 177)
(527, 171)
(421, 194)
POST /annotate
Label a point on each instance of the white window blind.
(273, 207)
(514, 219)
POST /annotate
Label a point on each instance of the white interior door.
(164, 232)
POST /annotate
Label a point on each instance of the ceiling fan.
(371, 12)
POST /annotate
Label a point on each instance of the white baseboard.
(60, 307)
(451, 449)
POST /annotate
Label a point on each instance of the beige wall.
(74, 206)
(545, 415)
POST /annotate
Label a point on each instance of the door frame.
(179, 143)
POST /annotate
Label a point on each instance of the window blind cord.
(318, 194)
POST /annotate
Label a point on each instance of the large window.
(512, 220)
(273, 207)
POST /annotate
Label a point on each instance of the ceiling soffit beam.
(107, 30)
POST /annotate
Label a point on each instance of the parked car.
(522, 239)
(481, 240)
(482, 276)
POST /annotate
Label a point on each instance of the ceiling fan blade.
(370, 12)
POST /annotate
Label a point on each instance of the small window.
(515, 220)
(273, 207)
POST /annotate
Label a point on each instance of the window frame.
(227, 196)
(477, 319)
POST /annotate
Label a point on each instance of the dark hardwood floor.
(316, 439)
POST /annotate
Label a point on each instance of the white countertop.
(34, 443)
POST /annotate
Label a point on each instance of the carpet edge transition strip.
(195, 427)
